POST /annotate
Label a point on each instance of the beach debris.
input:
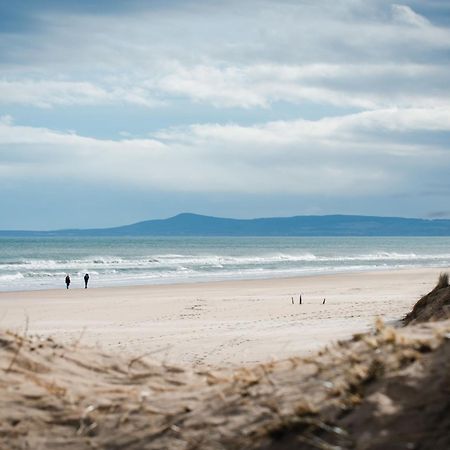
(292, 298)
(324, 300)
(300, 299)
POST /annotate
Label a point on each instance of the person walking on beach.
(86, 279)
(67, 281)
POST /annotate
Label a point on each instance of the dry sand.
(219, 323)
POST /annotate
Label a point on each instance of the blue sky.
(113, 112)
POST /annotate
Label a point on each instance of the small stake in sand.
(323, 303)
(292, 298)
(300, 299)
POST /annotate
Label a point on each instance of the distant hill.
(187, 224)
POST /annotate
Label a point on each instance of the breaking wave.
(118, 263)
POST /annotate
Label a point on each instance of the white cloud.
(352, 54)
(346, 85)
(48, 93)
(360, 86)
(332, 156)
(222, 88)
(348, 127)
(405, 14)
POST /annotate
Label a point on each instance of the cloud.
(257, 86)
(46, 94)
(332, 156)
(359, 54)
(349, 127)
(405, 14)
(345, 85)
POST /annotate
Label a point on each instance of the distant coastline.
(187, 224)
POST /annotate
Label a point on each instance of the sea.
(30, 263)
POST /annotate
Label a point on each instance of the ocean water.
(41, 263)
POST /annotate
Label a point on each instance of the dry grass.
(442, 281)
(433, 306)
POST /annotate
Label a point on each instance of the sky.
(113, 112)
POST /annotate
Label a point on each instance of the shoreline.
(185, 282)
(231, 322)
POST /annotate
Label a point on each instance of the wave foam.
(218, 261)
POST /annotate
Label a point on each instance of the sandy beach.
(219, 323)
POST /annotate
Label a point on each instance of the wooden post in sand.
(300, 299)
(292, 298)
